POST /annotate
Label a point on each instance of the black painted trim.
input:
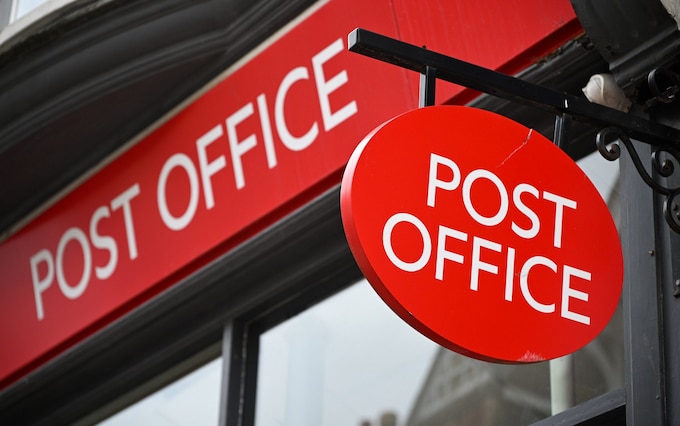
(604, 410)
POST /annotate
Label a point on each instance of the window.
(12, 10)
(346, 359)
(23, 7)
(350, 360)
(187, 394)
(191, 400)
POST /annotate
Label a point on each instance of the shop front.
(173, 248)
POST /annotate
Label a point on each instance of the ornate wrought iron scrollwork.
(664, 84)
(608, 144)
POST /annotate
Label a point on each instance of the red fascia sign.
(482, 234)
(274, 129)
(269, 135)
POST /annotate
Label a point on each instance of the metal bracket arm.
(618, 126)
(494, 83)
(608, 143)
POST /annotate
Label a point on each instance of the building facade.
(171, 243)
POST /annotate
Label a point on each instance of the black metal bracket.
(618, 126)
(608, 144)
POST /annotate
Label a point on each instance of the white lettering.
(560, 203)
(443, 254)
(475, 251)
(40, 285)
(570, 293)
(238, 148)
(326, 87)
(467, 197)
(524, 282)
(433, 181)
(104, 243)
(477, 264)
(73, 234)
(291, 142)
(123, 200)
(520, 189)
(510, 274)
(172, 222)
(209, 168)
(389, 250)
(265, 124)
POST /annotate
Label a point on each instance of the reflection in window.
(346, 359)
(463, 391)
(189, 401)
(5, 12)
(11, 10)
(23, 7)
(351, 361)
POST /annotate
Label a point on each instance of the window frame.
(241, 343)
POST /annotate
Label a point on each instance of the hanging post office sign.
(482, 234)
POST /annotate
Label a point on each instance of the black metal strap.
(619, 128)
(485, 80)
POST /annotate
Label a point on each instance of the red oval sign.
(482, 234)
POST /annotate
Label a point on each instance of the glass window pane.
(351, 361)
(5, 11)
(191, 400)
(339, 362)
(25, 6)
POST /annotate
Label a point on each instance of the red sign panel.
(504, 36)
(273, 133)
(281, 126)
(482, 234)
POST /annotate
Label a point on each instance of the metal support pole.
(668, 296)
(641, 324)
(562, 394)
(562, 125)
(239, 375)
(428, 80)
